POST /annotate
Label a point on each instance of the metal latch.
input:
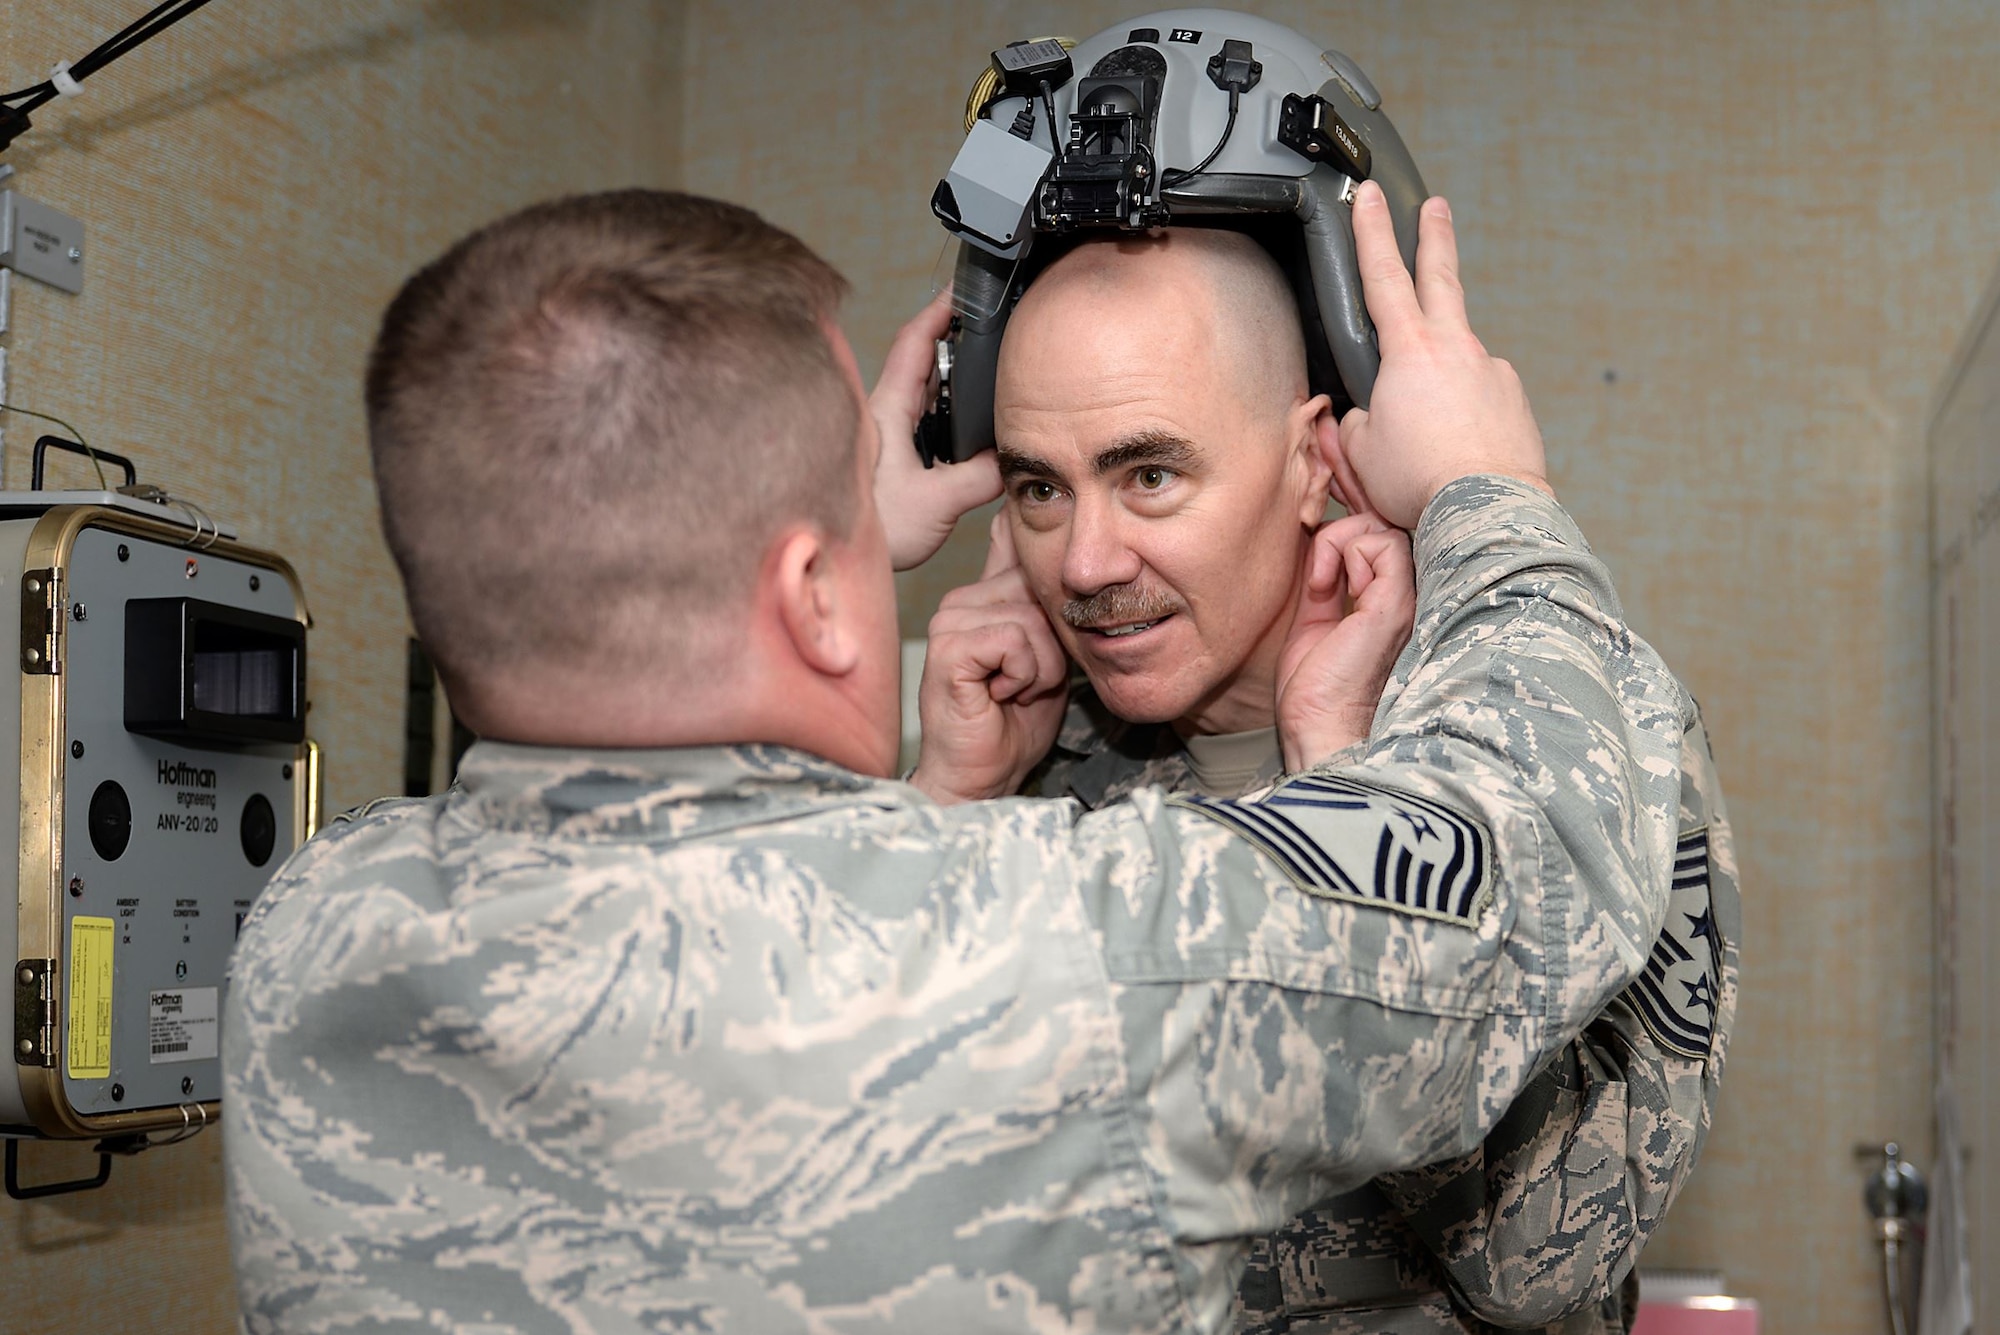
(41, 622)
(35, 1013)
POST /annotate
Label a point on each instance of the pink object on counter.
(1697, 1316)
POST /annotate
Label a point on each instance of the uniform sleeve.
(1550, 1214)
(1359, 971)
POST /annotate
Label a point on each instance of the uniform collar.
(1109, 753)
(614, 796)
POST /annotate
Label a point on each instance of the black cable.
(51, 417)
(132, 27)
(48, 86)
(43, 87)
(1174, 178)
(148, 25)
(1049, 107)
(131, 40)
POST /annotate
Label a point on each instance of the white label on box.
(181, 1026)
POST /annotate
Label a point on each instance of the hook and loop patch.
(1342, 839)
(1675, 994)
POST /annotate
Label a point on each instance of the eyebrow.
(1143, 447)
(1146, 447)
(1015, 464)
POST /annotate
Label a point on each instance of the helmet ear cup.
(1336, 279)
(983, 295)
(975, 366)
(1325, 210)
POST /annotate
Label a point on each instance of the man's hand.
(1442, 408)
(1337, 661)
(920, 505)
(995, 683)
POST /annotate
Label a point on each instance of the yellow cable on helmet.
(988, 83)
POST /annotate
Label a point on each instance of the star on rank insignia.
(1675, 994)
(1341, 839)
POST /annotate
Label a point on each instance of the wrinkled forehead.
(1109, 309)
(1081, 371)
(1186, 332)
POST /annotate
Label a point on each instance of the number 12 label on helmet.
(1184, 35)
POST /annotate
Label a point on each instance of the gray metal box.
(41, 242)
(138, 848)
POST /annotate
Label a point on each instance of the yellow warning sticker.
(90, 997)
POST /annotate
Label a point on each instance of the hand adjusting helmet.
(1186, 117)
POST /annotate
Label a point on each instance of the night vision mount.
(1187, 117)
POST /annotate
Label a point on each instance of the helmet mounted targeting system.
(1186, 117)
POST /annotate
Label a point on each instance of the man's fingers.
(1438, 288)
(1352, 528)
(998, 655)
(1366, 559)
(1385, 283)
(1325, 576)
(999, 544)
(1347, 486)
(906, 371)
(1334, 551)
(969, 485)
(1006, 589)
(970, 615)
(916, 342)
(1050, 667)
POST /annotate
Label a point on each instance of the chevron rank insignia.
(1345, 840)
(1675, 995)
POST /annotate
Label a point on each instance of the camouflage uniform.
(1544, 1222)
(734, 1039)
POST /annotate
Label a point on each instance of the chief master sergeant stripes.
(1428, 858)
(1678, 994)
(734, 1036)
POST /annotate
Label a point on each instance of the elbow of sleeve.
(1577, 1198)
(1537, 1303)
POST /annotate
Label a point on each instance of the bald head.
(1218, 293)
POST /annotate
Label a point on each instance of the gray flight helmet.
(1184, 117)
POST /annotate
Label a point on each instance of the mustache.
(1121, 604)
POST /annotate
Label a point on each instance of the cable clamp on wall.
(66, 86)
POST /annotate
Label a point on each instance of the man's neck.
(1245, 702)
(795, 709)
(1230, 764)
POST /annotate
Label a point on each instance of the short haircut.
(588, 420)
(1251, 302)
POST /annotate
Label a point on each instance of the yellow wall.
(1767, 221)
(255, 184)
(1730, 245)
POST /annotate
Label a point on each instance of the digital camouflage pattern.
(733, 1039)
(1542, 1225)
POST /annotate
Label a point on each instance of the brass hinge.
(35, 1013)
(41, 621)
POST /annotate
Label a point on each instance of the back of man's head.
(588, 420)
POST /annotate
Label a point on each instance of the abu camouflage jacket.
(1541, 1226)
(732, 1038)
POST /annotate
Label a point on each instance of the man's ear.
(1307, 423)
(804, 583)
